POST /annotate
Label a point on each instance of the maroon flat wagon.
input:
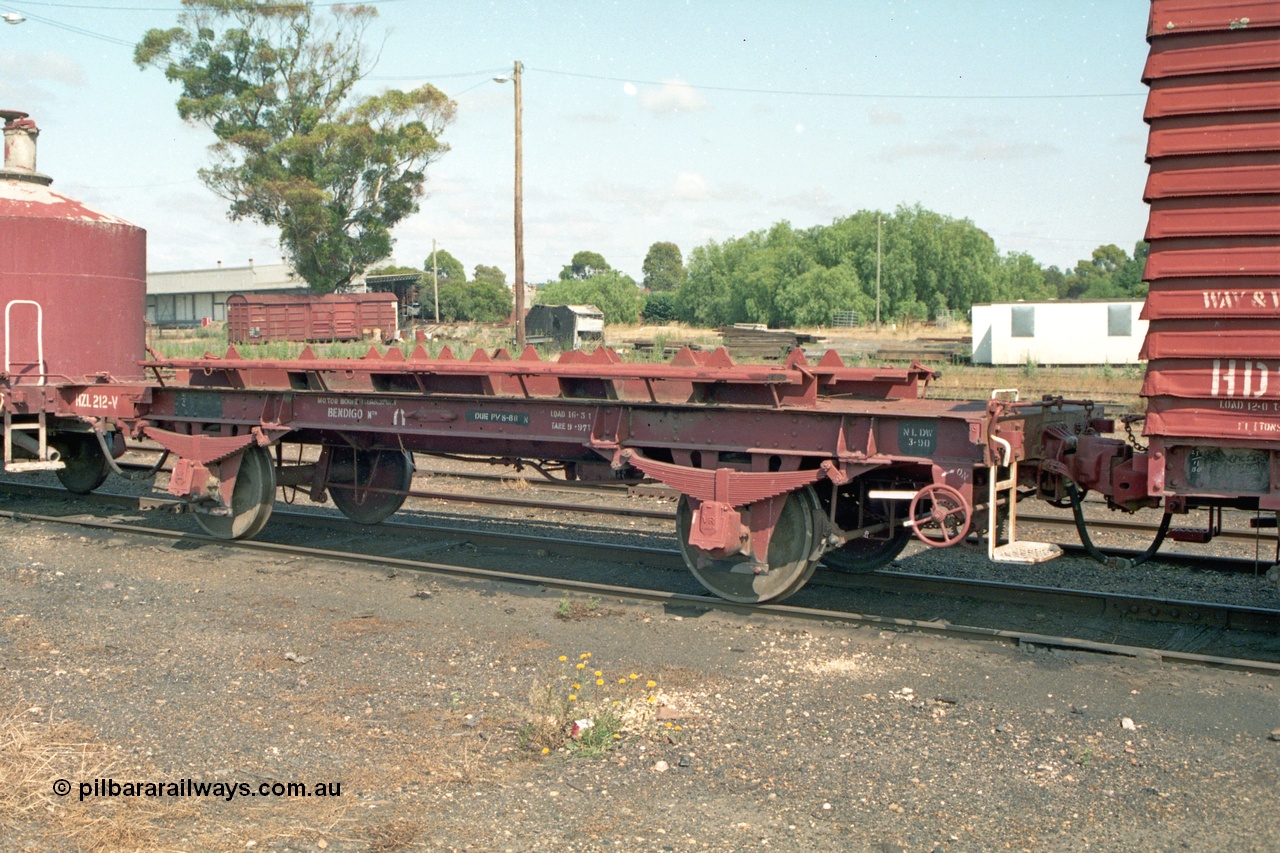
(779, 468)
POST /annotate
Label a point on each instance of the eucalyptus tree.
(296, 147)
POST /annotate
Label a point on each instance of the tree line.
(297, 148)
(910, 265)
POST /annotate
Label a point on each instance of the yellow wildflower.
(582, 666)
(599, 673)
(599, 681)
(633, 676)
(563, 658)
(622, 681)
(651, 684)
(573, 697)
(545, 750)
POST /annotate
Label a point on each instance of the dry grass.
(36, 751)
(34, 754)
(515, 484)
(1115, 387)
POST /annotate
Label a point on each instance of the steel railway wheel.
(86, 466)
(791, 547)
(865, 554)
(369, 469)
(251, 499)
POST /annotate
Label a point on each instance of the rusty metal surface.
(71, 280)
(1173, 17)
(1209, 53)
(690, 377)
(1215, 379)
(1217, 297)
(1213, 217)
(1210, 339)
(259, 318)
(1212, 389)
(1254, 92)
(1213, 134)
(1212, 419)
(1220, 174)
(1210, 257)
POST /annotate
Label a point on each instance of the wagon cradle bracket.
(724, 485)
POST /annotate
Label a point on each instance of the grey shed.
(570, 326)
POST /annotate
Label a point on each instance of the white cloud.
(673, 98)
(46, 66)
(690, 186)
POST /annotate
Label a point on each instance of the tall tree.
(489, 274)
(447, 267)
(1095, 278)
(615, 294)
(295, 147)
(663, 268)
(482, 301)
(584, 265)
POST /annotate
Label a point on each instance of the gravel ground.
(431, 702)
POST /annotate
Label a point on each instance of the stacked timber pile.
(951, 350)
(669, 348)
(755, 341)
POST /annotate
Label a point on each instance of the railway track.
(665, 578)
(1265, 544)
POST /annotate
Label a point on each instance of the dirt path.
(430, 703)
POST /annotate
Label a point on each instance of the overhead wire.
(96, 7)
(32, 16)
(854, 95)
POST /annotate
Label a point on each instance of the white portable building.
(1067, 333)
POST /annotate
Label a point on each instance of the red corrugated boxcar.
(253, 319)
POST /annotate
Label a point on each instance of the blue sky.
(681, 121)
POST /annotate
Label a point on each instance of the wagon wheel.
(251, 498)
(369, 469)
(867, 554)
(86, 466)
(790, 550)
(941, 514)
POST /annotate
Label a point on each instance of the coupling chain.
(1128, 430)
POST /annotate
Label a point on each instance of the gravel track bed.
(1154, 578)
(132, 659)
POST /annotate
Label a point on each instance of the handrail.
(8, 338)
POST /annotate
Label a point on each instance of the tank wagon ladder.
(15, 433)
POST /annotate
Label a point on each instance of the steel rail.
(1236, 565)
(936, 627)
(653, 490)
(1252, 537)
